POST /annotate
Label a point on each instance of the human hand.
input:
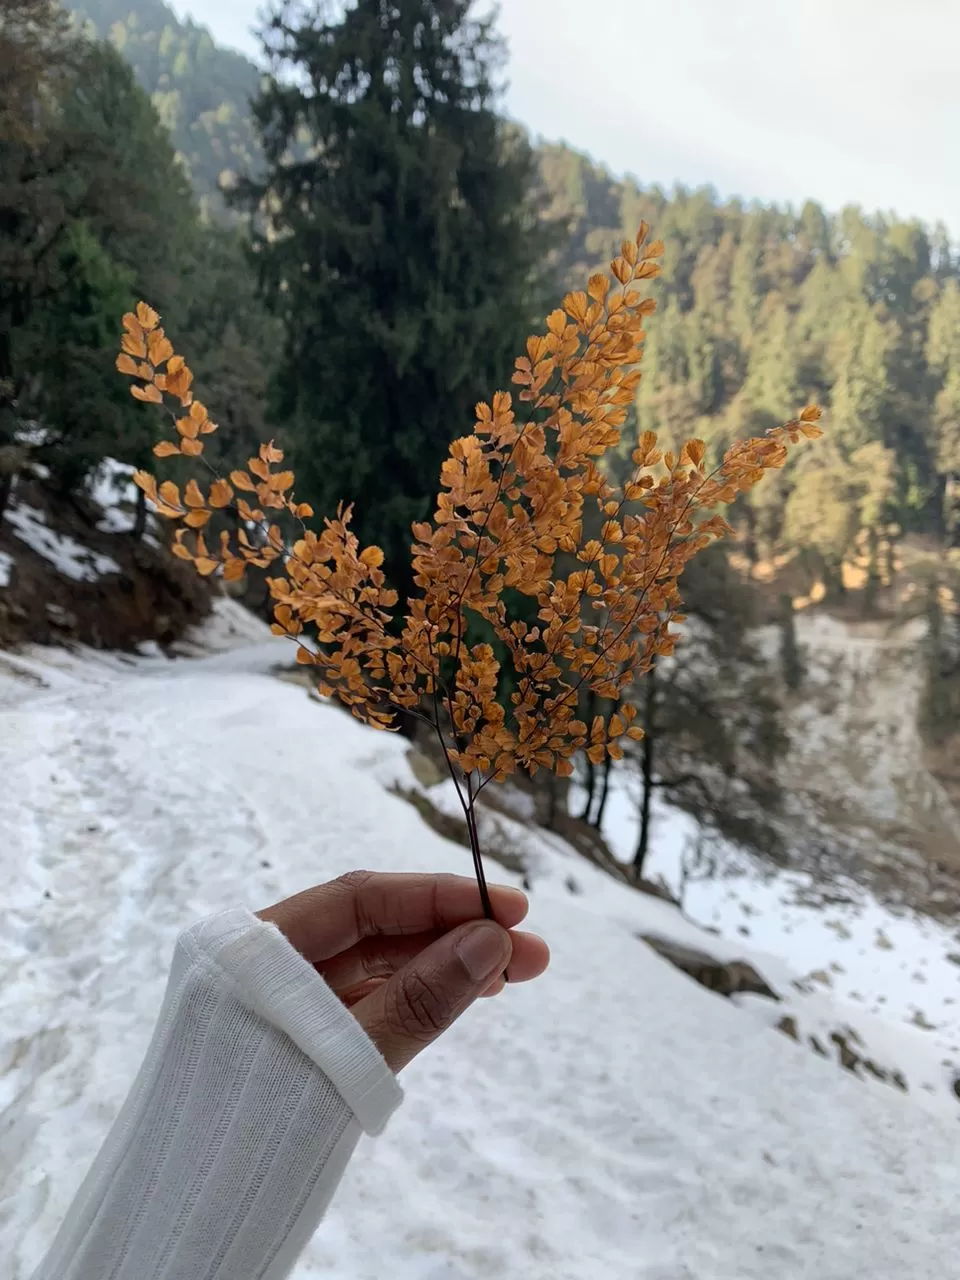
(407, 954)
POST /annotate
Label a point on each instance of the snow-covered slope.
(841, 958)
(611, 1120)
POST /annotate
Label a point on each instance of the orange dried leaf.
(135, 347)
(221, 495)
(240, 480)
(575, 305)
(556, 323)
(165, 449)
(204, 565)
(150, 394)
(372, 557)
(598, 286)
(146, 316)
(192, 495)
(695, 451)
(192, 448)
(159, 347)
(622, 270)
(179, 382)
(126, 364)
(145, 481)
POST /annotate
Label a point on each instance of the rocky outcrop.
(725, 977)
(68, 575)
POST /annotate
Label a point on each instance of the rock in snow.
(725, 977)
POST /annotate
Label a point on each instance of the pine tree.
(94, 209)
(36, 56)
(791, 663)
(937, 602)
(943, 358)
(400, 247)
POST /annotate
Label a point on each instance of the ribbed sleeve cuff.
(284, 989)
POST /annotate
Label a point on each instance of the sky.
(844, 101)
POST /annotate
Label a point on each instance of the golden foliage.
(510, 513)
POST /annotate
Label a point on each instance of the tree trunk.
(833, 583)
(591, 784)
(951, 515)
(551, 802)
(140, 516)
(872, 585)
(647, 747)
(790, 663)
(750, 540)
(889, 559)
(598, 816)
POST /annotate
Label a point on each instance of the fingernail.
(482, 951)
(509, 888)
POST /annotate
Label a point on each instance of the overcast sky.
(847, 101)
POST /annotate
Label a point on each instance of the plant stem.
(471, 817)
(466, 803)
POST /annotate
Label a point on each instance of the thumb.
(418, 1003)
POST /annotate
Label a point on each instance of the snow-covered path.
(611, 1120)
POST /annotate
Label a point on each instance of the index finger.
(327, 919)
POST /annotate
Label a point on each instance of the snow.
(887, 973)
(611, 1119)
(66, 555)
(6, 568)
(112, 488)
(32, 433)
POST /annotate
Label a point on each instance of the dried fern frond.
(510, 514)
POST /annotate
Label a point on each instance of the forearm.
(255, 1089)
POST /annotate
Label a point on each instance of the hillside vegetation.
(201, 90)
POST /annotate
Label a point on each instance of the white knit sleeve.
(254, 1091)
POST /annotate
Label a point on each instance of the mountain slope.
(201, 90)
(613, 1119)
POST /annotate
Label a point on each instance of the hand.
(407, 954)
